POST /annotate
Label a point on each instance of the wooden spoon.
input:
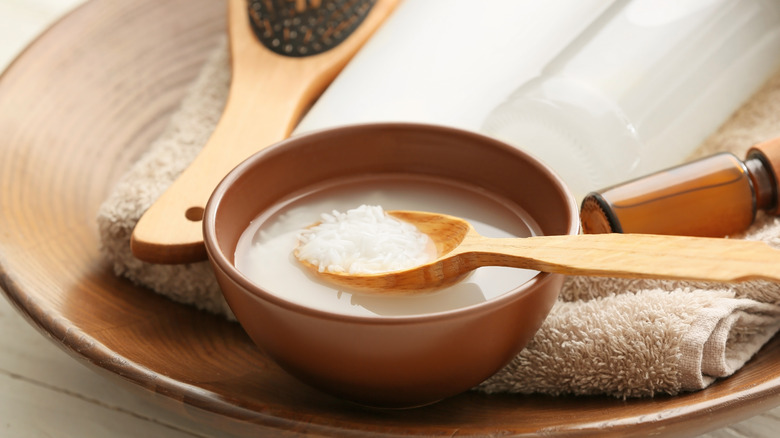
(269, 92)
(461, 249)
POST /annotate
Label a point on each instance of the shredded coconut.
(363, 240)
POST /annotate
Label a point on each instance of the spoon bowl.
(461, 249)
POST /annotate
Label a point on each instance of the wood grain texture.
(77, 108)
(268, 95)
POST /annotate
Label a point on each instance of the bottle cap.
(596, 216)
(769, 154)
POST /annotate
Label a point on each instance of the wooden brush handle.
(268, 95)
(632, 255)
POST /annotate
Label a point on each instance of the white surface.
(44, 392)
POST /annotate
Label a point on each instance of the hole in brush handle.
(194, 214)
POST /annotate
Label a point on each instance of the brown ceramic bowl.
(388, 361)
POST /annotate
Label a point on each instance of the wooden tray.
(76, 109)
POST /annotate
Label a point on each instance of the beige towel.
(605, 336)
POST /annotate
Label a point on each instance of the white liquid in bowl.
(264, 251)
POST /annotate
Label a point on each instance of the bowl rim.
(220, 261)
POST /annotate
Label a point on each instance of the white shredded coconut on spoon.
(363, 240)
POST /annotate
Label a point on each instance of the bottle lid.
(769, 154)
(596, 216)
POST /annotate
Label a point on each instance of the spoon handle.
(268, 95)
(632, 255)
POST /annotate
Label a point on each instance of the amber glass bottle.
(715, 196)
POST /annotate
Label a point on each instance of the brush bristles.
(305, 27)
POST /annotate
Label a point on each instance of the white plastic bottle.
(641, 87)
(449, 62)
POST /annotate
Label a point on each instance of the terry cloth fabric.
(625, 338)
